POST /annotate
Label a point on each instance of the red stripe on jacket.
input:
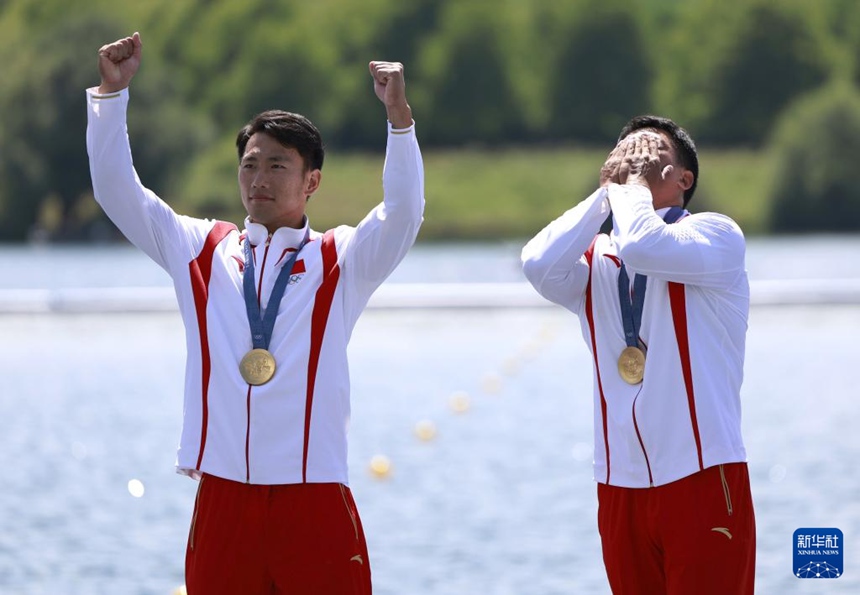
(319, 320)
(200, 272)
(589, 314)
(678, 302)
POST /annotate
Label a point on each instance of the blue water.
(501, 501)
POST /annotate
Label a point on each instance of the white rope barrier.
(395, 296)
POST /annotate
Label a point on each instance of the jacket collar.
(284, 237)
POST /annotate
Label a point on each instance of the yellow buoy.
(425, 430)
(510, 366)
(380, 466)
(548, 333)
(530, 350)
(459, 402)
(491, 384)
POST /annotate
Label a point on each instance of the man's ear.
(686, 180)
(312, 182)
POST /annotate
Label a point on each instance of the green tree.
(44, 156)
(42, 141)
(842, 24)
(399, 31)
(816, 146)
(768, 53)
(466, 92)
(602, 72)
(845, 24)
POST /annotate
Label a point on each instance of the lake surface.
(501, 501)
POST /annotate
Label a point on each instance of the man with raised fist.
(268, 312)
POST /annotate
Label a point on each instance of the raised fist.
(118, 63)
(389, 85)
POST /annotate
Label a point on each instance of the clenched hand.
(389, 85)
(118, 63)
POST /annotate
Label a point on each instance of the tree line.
(480, 73)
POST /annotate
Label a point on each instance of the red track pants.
(302, 539)
(692, 536)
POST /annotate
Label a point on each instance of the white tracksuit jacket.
(294, 428)
(686, 414)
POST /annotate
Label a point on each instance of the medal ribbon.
(262, 326)
(631, 306)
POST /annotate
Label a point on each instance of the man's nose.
(260, 180)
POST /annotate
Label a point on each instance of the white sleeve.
(554, 261)
(384, 236)
(147, 221)
(705, 249)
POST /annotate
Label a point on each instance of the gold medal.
(631, 365)
(257, 367)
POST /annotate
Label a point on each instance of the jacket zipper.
(196, 511)
(641, 442)
(348, 509)
(248, 397)
(726, 491)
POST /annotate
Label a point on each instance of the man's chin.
(265, 221)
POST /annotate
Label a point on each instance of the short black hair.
(685, 148)
(290, 130)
